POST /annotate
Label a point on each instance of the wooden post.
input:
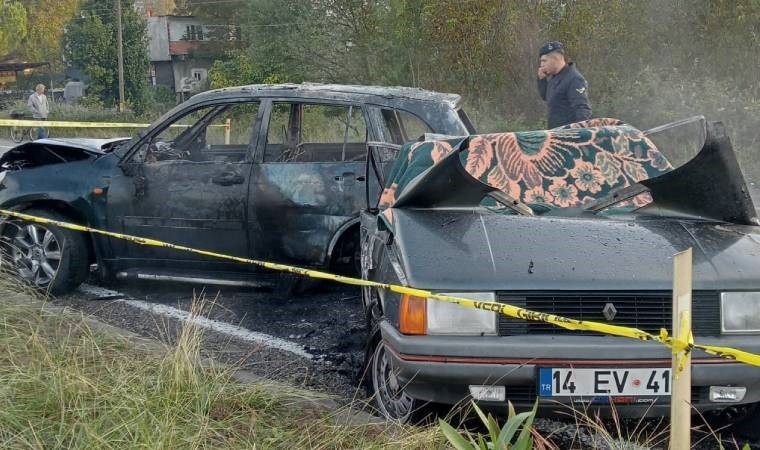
(680, 401)
(120, 55)
(227, 130)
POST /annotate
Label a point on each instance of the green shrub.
(499, 438)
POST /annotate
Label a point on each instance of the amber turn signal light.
(413, 317)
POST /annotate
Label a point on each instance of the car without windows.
(580, 222)
(274, 172)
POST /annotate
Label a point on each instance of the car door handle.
(349, 177)
(228, 179)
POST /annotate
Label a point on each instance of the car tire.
(45, 256)
(386, 394)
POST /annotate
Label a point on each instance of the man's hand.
(541, 73)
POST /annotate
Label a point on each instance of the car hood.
(45, 152)
(96, 146)
(479, 250)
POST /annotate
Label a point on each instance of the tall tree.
(46, 19)
(13, 26)
(90, 45)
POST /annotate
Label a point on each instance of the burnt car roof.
(374, 94)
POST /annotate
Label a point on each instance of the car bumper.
(441, 368)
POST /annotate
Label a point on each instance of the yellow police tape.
(675, 345)
(64, 124)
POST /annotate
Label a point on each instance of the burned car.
(580, 222)
(274, 172)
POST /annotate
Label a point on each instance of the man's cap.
(549, 47)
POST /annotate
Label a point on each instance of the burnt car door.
(308, 183)
(187, 183)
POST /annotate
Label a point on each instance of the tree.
(318, 40)
(163, 7)
(46, 19)
(13, 26)
(237, 69)
(90, 45)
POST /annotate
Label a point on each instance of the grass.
(65, 385)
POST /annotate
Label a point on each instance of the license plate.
(572, 382)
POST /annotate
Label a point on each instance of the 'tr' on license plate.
(573, 382)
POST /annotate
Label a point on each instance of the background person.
(38, 104)
(562, 87)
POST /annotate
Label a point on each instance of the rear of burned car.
(614, 268)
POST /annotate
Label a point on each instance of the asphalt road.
(5, 144)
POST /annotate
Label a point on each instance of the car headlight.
(740, 312)
(450, 318)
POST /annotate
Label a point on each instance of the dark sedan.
(580, 222)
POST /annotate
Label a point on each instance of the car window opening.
(300, 132)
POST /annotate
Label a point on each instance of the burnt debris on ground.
(327, 322)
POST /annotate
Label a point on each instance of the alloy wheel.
(36, 254)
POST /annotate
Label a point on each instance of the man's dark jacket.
(566, 95)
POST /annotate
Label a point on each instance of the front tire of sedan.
(388, 393)
(45, 256)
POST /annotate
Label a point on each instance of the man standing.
(562, 87)
(38, 104)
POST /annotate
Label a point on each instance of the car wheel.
(387, 392)
(45, 256)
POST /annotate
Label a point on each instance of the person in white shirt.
(39, 107)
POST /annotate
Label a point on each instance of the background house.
(176, 53)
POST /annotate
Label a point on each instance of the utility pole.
(120, 49)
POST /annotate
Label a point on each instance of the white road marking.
(204, 322)
(221, 327)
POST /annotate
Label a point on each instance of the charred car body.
(580, 222)
(272, 172)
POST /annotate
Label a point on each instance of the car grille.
(648, 311)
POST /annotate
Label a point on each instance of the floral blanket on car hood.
(557, 168)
